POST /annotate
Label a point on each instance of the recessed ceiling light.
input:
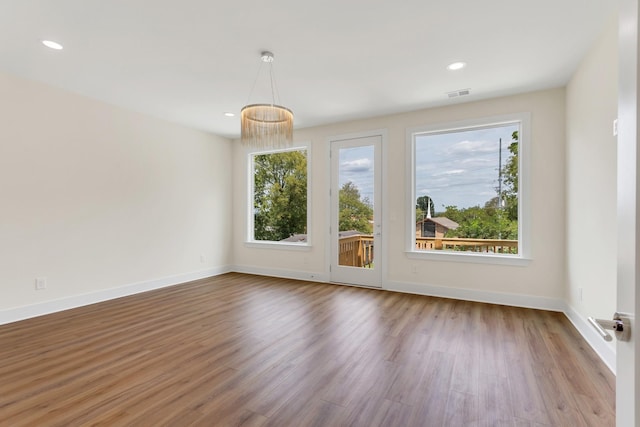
(456, 66)
(52, 45)
(229, 114)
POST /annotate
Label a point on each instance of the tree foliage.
(356, 213)
(280, 195)
(481, 223)
(510, 180)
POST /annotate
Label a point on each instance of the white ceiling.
(189, 61)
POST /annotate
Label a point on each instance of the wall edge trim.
(53, 306)
(600, 346)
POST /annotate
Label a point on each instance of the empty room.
(332, 214)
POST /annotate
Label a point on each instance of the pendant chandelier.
(266, 126)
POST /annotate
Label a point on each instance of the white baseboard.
(606, 352)
(285, 274)
(515, 300)
(48, 307)
(422, 289)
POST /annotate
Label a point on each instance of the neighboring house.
(299, 238)
(435, 227)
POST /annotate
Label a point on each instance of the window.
(278, 197)
(467, 189)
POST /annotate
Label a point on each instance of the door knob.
(620, 325)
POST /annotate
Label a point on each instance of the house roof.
(296, 238)
(193, 60)
(443, 221)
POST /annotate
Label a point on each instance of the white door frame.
(381, 250)
(628, 275)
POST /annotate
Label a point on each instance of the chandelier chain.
(274, 89)
(255, 81)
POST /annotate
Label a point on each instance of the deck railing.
(497, 246)
(357, 251)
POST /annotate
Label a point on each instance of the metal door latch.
(620, 325)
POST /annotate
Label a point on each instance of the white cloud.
(460, 168)
(450, 172)
(357, 165)
(478, 146)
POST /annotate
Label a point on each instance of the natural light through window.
(279, 197)
(466, 195)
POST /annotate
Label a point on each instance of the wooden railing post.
(355, 251)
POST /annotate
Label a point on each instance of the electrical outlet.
(201, 257)
(615, 127)
(41, 283)
(414, 269)
(580, 294)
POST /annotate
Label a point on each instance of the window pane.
(355, 207)
(280, 196)
(467, 190)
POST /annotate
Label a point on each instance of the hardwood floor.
(242, 350)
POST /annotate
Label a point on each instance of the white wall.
(592, 99)
(104, 202)
(94, 197)
(542, 279)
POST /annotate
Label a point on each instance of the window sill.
(476, 258)
(279, 246)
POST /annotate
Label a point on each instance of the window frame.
(249, 217)
(524, 210)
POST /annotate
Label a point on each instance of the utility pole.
(499, 183)
(500, 174)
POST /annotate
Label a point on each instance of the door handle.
(621, 325)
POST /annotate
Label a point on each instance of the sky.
(356, 165)
(461, 168)
(455, 169)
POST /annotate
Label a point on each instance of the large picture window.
(279, 197)
(466, 193)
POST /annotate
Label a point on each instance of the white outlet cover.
(41, 283)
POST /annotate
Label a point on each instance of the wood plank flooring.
(242, 350)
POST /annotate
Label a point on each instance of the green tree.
(280, 195)
(481, 223)
(510, 180)
(356, 212)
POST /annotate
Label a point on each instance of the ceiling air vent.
(461, 92)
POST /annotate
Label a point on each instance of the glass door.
(356, 223)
